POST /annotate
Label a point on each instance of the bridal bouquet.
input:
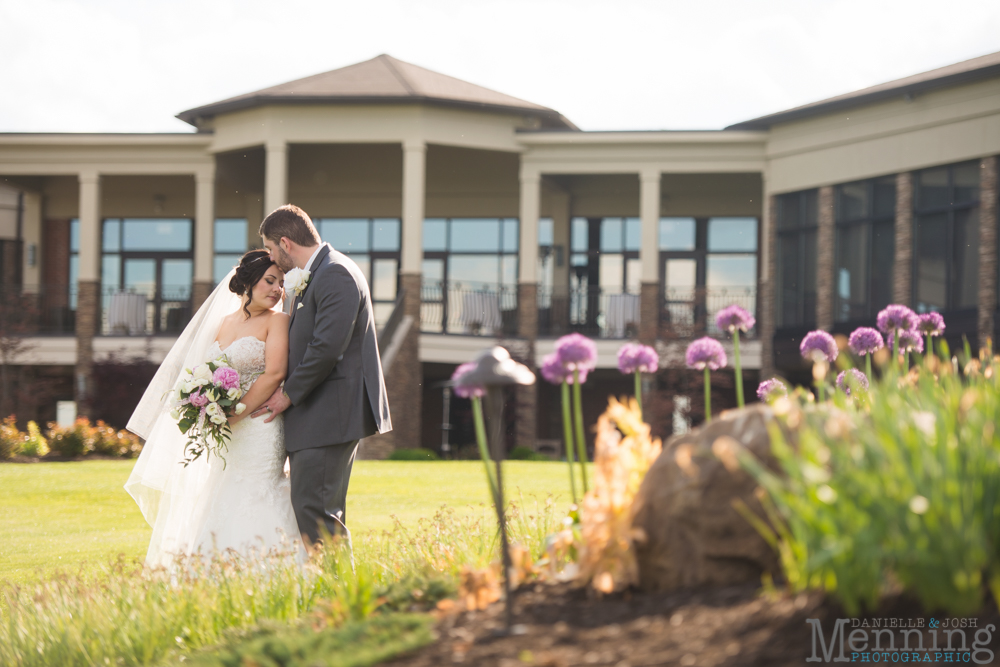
(204, 398)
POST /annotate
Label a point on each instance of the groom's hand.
(274, 406)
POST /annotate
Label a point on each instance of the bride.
(242, 503)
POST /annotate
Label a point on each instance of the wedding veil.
(160, 484)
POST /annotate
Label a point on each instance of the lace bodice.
(245, 354)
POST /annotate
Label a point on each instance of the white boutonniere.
(296, 281)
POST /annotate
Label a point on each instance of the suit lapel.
(324, 251)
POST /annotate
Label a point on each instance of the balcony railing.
(687, 313)
(38, 310)
(468, 309)
(145, 312)
(591, 311)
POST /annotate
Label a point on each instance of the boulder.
(693, 535)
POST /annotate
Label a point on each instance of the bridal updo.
(253, 265)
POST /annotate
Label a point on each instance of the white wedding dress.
(241, 505)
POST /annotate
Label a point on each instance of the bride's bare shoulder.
(277, 321)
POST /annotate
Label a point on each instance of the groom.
(334, 392)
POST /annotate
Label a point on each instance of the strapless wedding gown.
(245, 506)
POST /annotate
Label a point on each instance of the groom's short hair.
(291, 222)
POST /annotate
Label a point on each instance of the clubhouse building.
(481, 218)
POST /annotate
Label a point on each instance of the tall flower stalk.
(930, 324)
(554, 371)
(865, 341)
(475, 394)
(820, 348)
(894, 319)
(706, 354)
(734, 320)
(578, 356)
(637, 359)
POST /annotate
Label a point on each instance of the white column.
(649, 212)
(275, 175)
(204, 224)
(414, 181)
(528, 233)
(90, 226)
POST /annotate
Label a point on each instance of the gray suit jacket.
(334, 370)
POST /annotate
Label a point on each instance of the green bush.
(355, 644)
(526, 454)
(901, 490)
(72, 441)
(33, 442)
(414, 454)
(10, 438)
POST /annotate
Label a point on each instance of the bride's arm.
(275, 366)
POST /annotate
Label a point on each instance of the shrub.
(10, 438)
(34, 443)
(110, 442)
(901, 490)
(72, 441)
(414, 454)
(523, 453)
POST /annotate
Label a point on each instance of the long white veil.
(165, 490)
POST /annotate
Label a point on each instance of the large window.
(706, 264)
(230, 245)
(865, 240)
(374, 244)
(469, 275)
(946, 243)
(796, 282)
(605, 276)
(146, 273)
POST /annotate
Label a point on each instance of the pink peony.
(227, 378)
(198, 400)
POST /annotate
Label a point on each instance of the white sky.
(130, 65)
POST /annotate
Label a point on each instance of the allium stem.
(484, 453)
(736, 365)
(821, 389)
(638, 391)
(895, 346)
(581, 445)
(930, 348)
(868, 365)
(708, 395)
(568, 434)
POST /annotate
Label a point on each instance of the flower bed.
(69, 442)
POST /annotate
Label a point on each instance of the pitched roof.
(983, 67)
(382, 79)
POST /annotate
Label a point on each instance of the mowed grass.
(71, 515)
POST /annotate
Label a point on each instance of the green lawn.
(59, 515)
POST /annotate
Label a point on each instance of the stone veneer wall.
(987, 248)
(526, 408)
(87, 315)
(902, 267)
(824, 259)
(765, 296)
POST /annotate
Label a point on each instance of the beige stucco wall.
(938, 127)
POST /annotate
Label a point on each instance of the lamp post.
(494, 370)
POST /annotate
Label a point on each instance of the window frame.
(800, 232)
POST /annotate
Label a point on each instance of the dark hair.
(291, 222)
(252, 268)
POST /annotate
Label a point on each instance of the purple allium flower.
(895, 317)
(931, 324)
(909, 340)
(198, 400)
(857, 380)
(705, 352)
(555, 372)
(636, 358)
(227, 378)
(577, 352)
(818, 346)
(771, 389)
(466, 391)
(733, 317)
(865, 340)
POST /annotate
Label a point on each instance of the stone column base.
(526, 398)
(199, 292)
(649, 313)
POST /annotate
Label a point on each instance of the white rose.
(296, 280)
(213, 394)
(188, 386)
(175, 414)
(202, 372)
(240, 408)
(215, 413)
(233, 393)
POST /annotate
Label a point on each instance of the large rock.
(694, 537)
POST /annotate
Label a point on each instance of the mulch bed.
(560, 626)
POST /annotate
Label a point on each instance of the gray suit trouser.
(319, 479)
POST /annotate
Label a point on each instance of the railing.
(468, 310)
(687, 313)
(591, 311)
(38, 310)
(145, 312)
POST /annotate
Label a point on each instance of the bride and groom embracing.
(313, 388)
